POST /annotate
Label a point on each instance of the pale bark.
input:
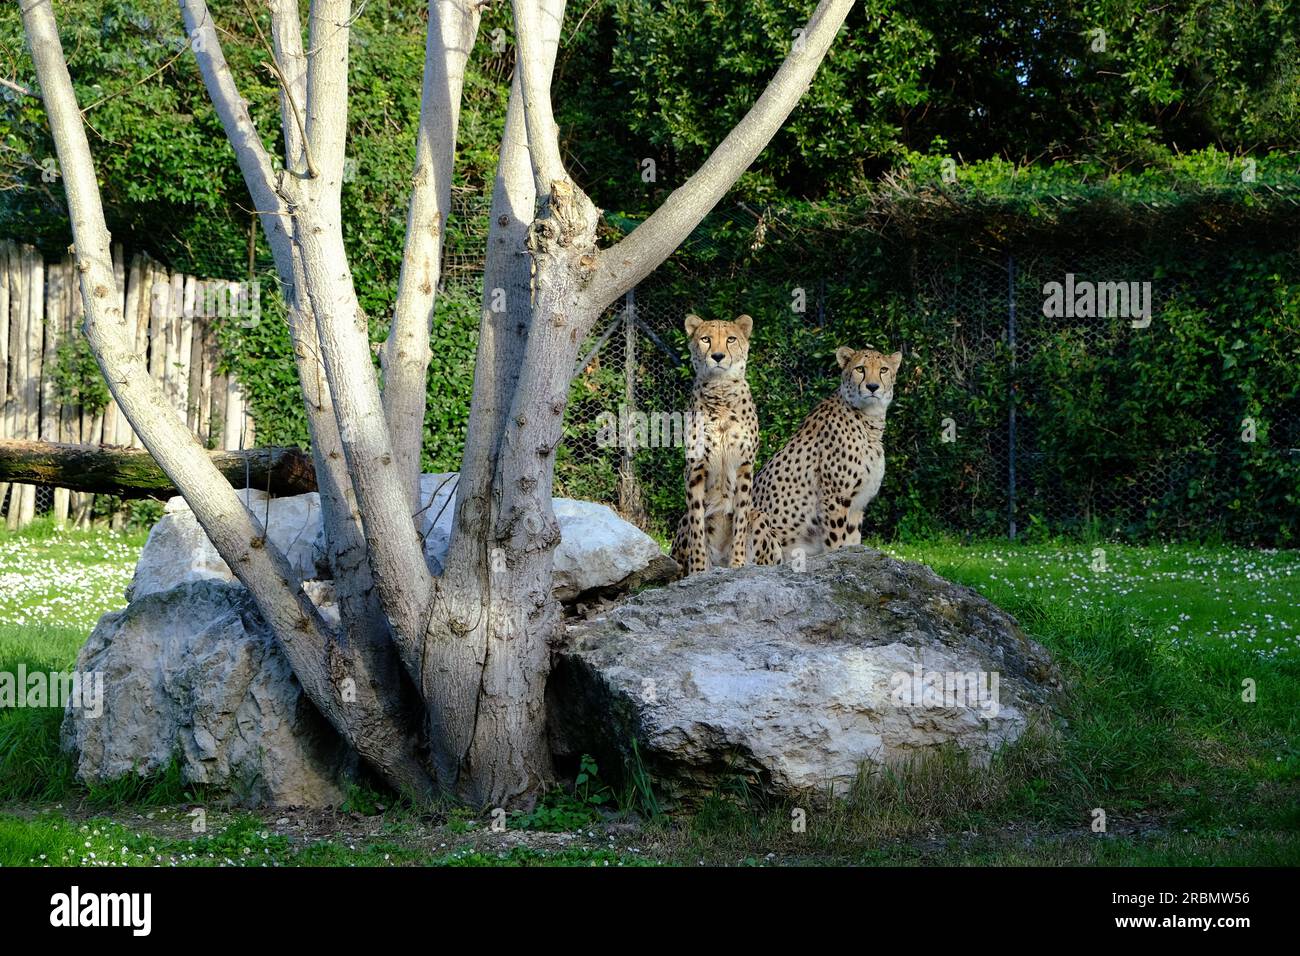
(536, 21)
(291, 67)
(365, 628)
(502, 335)
(453, 25)
(319, 662)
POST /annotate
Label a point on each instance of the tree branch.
(392, 542)
(405, 355)
(329, 25)
(289, 65)
(345, 546)
(623, 265)
(252, 157)
(537, 29)
(502, 336)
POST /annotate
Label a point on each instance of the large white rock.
(192, 675)
(794, 680)
(178, 551)
(598, 549)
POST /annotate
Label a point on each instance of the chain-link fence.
(1021, 408)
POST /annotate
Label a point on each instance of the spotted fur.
(721, 442)
(811, 494)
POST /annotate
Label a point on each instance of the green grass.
(1156, 644)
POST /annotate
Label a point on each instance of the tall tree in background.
(436, 680)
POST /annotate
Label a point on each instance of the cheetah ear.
(746, 324)
(843, 354)
(693, 322)
(895, 361)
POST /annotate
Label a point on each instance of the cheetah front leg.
(741, 501)
(853, 530)
(835, 519)
(697, 536)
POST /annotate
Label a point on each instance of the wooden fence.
(173, 316)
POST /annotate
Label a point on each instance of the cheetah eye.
(704, 339)
(731, 340)
(884, 371)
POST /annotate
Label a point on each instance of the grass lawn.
(1156, 643)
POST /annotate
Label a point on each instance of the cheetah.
(811, 494)
(722, 437)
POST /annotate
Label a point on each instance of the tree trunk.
(134, 474)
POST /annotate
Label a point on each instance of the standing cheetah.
(811, 494)
(722, 437)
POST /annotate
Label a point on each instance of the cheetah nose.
(718, 356)
(872, 386)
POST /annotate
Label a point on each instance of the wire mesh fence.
(1015, 413)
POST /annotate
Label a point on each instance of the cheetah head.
(719, 349)
(868, 380)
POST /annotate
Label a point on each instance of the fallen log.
(132, 473)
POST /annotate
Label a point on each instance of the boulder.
(193, 675)
(795, 680)
(178, 551)
(599, 552)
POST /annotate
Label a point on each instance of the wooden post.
(69, 415)
(234, 415)
(219, 433)
(14, 384)
(80, 503)
(4, 355)
(184, 347)
(131, 310)
(194, 388)
(111, 412)
(209, 426)
(56, 302)
(142, 320)
(174, 372)
(17, 368)
(159, 291)
(35, 323)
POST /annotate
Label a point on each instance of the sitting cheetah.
(811, 494)
(722, 436)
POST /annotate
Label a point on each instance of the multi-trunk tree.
(438, 681)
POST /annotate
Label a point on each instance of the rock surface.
(794, 680)
(192, 675)
(178, 551)
(599, 552)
